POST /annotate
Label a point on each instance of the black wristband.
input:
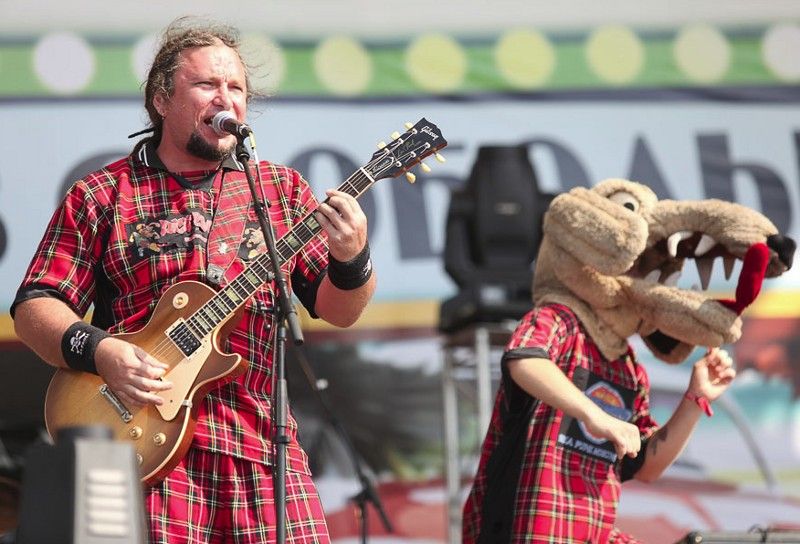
(351, 274)
(79, 344)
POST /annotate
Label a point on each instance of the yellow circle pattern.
(525, 58)
(702, 53)
(615, 54)
(343, 66)
(779, 50)
(436, 63)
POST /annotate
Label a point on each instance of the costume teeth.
(672, 279)
(704, 245)
(675, 239)
(728, 261)
(653, 276)
(705, 266)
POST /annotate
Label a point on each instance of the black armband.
(79, 344)
(351, 274)
(630, 466)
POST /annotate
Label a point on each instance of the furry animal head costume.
(613, 253)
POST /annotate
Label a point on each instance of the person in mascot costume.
(571, 419)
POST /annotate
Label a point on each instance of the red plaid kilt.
(216, 498)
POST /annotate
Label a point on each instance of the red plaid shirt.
(127, 232)
(542, 477)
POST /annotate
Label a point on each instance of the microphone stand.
(284, 313)
(367, 493)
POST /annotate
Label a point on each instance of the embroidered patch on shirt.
(155, 236)
(253, 243)
(613, 399)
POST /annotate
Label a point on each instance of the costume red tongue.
(753, 270)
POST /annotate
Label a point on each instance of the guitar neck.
(243, 286)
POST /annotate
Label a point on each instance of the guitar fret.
(252, 277)
(193, 329)
(241, 291)
(292, 241)
(201, 320)
(217, 312)
(232, 295)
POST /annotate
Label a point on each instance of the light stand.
(284, 313)
(367, 493)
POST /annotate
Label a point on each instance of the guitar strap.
(233, 214)
(227, 230)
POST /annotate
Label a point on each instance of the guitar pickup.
(184, 338)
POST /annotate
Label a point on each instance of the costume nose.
(784, 247)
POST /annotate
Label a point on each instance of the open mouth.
(663, 261)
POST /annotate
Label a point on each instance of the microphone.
(225, 123)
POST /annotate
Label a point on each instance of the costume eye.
(625, 199)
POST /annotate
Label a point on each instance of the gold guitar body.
(161, 435)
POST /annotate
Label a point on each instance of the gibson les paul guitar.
(188, 326)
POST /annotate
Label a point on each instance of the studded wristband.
(79, 344)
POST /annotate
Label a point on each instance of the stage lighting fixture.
(492, 235)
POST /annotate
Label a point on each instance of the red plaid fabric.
(126, 233)
(212, 498)
(530, 487)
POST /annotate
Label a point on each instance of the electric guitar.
(188, 325)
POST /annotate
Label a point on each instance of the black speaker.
(754, 535)
(83, 490)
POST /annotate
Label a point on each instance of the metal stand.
(469, 368)
(286, 320)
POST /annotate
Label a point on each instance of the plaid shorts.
(216, 498)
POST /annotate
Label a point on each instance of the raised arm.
(350, 282)
(711, 376)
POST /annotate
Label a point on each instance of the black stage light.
(83, 490)
(492, 235)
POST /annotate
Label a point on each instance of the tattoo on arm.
(659, 436)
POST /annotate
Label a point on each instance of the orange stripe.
(425, 314)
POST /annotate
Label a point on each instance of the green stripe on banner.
(616, 57)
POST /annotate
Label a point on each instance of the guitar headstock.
(406, 150)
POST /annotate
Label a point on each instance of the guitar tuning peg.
(424, 167)
(440, 157)
(411, 177)
(381, 145)
(408, 125)
(395, 135)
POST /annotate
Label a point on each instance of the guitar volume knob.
(180, 300)
(135, 432)
(159, 439)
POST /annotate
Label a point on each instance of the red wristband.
(702, 402)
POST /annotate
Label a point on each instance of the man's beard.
(201, 149)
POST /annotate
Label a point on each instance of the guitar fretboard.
(243, 286)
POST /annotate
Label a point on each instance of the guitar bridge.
(109, 395)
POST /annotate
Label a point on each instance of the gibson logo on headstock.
(429, 131)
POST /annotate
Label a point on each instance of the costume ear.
(754, 268)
